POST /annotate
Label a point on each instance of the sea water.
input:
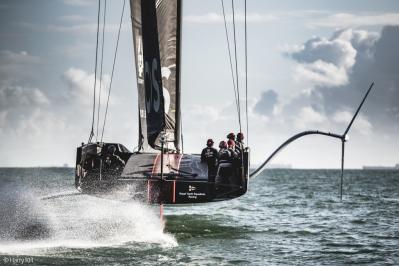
(288, 217)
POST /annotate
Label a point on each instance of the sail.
(156, 37)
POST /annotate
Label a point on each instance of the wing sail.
(156, 37)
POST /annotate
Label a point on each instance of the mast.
(178, 131)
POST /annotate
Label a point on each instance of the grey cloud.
(382, 68)
(16, 67)
(360, 39)
(11, 97)
(80, 87)
(18, 104)
(331, 50)
(266, 103)
(328, 62)
(376, 60)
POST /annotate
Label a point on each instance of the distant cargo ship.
(396, 167)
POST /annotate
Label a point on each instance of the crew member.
(241, 148)
(224, 154)
(231, 136)
(240, 141)
(231, 145)
(113, 163)
(209, 155)
(239, 144)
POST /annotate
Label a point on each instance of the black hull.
(184, 179)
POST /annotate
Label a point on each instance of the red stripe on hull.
(174, 192)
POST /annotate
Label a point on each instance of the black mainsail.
(156, 36)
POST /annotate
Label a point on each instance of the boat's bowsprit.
(102, 168)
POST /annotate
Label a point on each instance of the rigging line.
(236, 59)
(113, 68)
(95, 75)
(246, 70)
(101, 71)
(231, 63)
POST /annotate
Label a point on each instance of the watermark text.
(16, 260)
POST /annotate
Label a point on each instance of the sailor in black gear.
(113, 163)
(239, 143)
(240, 140)
(231, 136)
(209, 155)
(232, 148)
(224, 154)
(240, 148)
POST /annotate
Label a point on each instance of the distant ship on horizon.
(396, 167)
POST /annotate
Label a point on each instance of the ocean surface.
(288, 217)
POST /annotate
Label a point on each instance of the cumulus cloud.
(19, 105)
(308, 117)
(20, 96)
(379, 63)
(80, 86)
(347, 20)
(339, 70)
(205, 114)
(18, 99)
(342, 117)
(320, 73)
(31, 120)
(239, 17)
(27, 109)
(329, 62)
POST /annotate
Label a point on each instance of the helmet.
(209, 142)
(231, 136)
(223, 144)
(240, 136)
(231, 143)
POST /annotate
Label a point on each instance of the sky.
(309, 65)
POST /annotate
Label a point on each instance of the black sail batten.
(156, 35)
